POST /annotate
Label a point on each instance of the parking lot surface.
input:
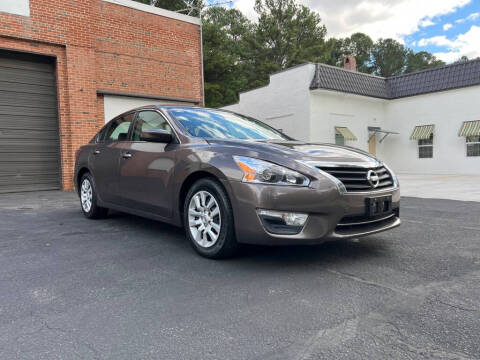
(131, 288)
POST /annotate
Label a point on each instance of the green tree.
(288, 34)
(227, 43)
(421, 60)
(336, 52)
(358, 45)
(462, 59)
(240, 55)
(388, 58)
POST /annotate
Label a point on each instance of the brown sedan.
(230, 179)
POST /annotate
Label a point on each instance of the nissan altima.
(230, 179)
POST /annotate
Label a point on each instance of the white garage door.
(115, 104)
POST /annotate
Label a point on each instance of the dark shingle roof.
(334, 78)
(438, 79)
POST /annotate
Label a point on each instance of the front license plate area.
(379, 205)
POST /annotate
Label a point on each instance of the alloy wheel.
(204, 219)
(86, 195)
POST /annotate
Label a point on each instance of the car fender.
(210, 163)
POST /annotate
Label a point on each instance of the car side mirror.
(156, 135)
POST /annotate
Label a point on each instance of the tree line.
(240, 54)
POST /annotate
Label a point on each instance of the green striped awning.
(470, 128)
(346, 133)
(422, 132)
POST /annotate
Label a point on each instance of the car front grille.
(355, 178)
(358, 224)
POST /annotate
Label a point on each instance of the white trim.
(16, 7)
(154, 10)
(279, 116)
(201, 60)
(348, 95)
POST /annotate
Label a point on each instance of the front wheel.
(88, 199)
(208, 220)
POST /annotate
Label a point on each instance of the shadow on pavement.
(353, 250)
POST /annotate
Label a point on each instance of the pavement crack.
(329, 337)
(429, 351)
(404, 343)
(455, 306)
(369, 282)
(44, 325)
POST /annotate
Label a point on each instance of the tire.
(207, 204)
(88, 199)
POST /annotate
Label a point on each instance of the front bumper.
(331, 215)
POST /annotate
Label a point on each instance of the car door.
(146, 168)
(107, 155)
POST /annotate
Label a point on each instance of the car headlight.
(264, 172)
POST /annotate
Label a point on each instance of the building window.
(425, 148)
(339, 139)
(118, 130)
(473, 145)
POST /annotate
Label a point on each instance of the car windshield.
(207, 123)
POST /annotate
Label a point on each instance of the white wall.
(446, 110)
(283, 104)
(115, 105)
(331, 108)
(18, 7)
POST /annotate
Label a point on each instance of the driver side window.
(148, 120)
(118, 130)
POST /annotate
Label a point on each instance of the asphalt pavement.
(131, 288)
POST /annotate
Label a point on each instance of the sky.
(447, 28)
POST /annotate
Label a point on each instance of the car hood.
(303, 151)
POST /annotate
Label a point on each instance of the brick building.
(68, 66)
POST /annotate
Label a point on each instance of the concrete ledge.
(154, 10)
(451, 187)
(147, 96)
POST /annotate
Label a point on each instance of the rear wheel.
(88, 199)
(208, 220)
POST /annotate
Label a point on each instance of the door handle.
(96, 152)
(127, 155)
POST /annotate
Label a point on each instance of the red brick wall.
(104, 46)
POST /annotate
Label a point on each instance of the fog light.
(292, 219)
(280, 222)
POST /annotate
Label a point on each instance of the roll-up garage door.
(29, 140)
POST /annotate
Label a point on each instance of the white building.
(426, 122)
